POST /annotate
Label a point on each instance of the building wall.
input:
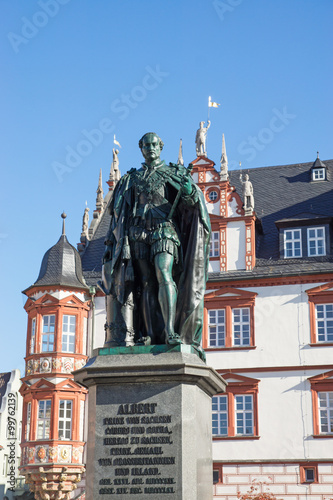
(281, 479)
(282, 360)
(10, 436)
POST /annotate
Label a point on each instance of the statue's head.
(202, 124)
(151, 146)
(246, 177)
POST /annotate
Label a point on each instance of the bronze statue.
(156, 260)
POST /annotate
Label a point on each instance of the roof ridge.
(276, 166)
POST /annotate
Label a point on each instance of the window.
(325, 402)
(220, 415)
(318, 174)
(44, 419)
(217, 473)
(33, 336)
(321, 314)
(27, 428)
(214, 250)
(234, 414)
(292, 243)
(68, 333)
(309, 473)
(322, 404)
(216, 326)
(316, 241)
(241, 326)
(324, 322)
(213, 195)
(65, 419)
(244, 415)
(48, 333)
(229, 319)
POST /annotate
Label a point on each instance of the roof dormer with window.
(318, 170)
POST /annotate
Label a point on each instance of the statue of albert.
(156, 261)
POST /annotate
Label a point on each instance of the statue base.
(149, 423)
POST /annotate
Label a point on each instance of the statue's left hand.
(186, 187)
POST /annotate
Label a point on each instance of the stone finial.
(248, 198)
(99, 199)
(63, 216)
(224, 162)
(200, 139)
(180, 160)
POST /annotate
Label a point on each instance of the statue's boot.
(148, 310)
(167, 297)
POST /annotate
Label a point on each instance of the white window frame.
(48, 333)
(244, 414)
(325, 405)
(324, 321)
(65, 421)
(27, 429)
(68, 336)
(216, 327)
(316, 239)
(241, 329)
(214, 249)
(33, 336)
(44, 421)
(318, 174)
(294, 240)
(220, 416)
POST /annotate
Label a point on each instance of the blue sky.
(74, 72)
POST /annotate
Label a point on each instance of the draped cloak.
(190, 274)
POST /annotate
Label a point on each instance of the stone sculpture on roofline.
(200, 139)
(248, 197)
(156, 259)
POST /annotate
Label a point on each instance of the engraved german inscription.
(141, 462)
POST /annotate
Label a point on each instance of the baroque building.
(268, 331)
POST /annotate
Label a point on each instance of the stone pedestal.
(149, 428)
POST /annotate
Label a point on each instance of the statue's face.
(151, 149)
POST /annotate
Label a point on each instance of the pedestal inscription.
(137, 444)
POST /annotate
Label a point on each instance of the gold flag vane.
(212, 104)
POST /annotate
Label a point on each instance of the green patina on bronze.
(146, 349)
(156, 259)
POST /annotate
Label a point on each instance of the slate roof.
(283, 192)
(61, 265)
(92, 256)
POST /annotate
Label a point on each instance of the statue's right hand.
(107, 254)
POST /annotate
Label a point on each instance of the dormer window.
(292, 243)
(318, 170)
(318, 174)
(304, 236)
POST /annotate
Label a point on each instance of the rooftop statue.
(200, 139)
(85, 220)
(156, 259)
(248, 197)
